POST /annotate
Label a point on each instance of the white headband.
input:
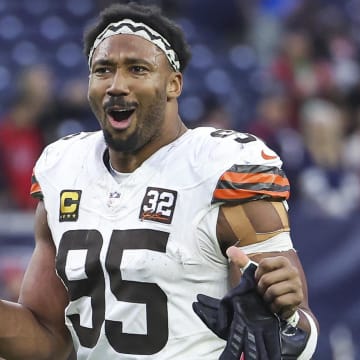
(127, 26)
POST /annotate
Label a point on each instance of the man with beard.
(134, 221)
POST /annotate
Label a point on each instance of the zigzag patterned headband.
(127, 26)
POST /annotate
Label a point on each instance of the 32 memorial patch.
(69, 205)
(158, 205)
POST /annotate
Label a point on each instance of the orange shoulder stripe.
(35, 189)
(241, 178)
(242, 183)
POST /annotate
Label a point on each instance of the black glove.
(243, 319)
(293, 341)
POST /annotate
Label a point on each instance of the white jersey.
(134, 255)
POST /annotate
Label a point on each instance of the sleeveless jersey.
(134, 255)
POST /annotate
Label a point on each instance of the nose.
(119, 85)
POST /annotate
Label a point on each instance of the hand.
(278, 281)
(244, 320)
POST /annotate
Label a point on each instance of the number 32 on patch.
(158, 205)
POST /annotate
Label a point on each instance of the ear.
(174, 86)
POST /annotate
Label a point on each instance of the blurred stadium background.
(286, 70)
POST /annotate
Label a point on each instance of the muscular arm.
(34, 328)
(280, 275)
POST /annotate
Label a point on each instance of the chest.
(144, 227)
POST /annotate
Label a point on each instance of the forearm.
(23, 337)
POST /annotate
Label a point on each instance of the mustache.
(120, 102)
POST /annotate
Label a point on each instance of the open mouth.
(120, 115)
(120, 119)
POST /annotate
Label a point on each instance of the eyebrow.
(127, 61)
(103, 62)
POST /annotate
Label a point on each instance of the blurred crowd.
(301, 59)
(36, 116)
(286, 71)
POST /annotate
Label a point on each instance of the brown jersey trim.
(243, 183)
(35, 189)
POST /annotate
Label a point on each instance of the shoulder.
(224, 148)
(247, 169)
(71, 148)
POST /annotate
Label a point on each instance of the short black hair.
(150, 15)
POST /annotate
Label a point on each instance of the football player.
(137, 219)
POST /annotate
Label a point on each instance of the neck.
(127, 162)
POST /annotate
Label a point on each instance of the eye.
(138, 69)
(101, 70)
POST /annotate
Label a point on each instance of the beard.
(148, 128)
(130, 144)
